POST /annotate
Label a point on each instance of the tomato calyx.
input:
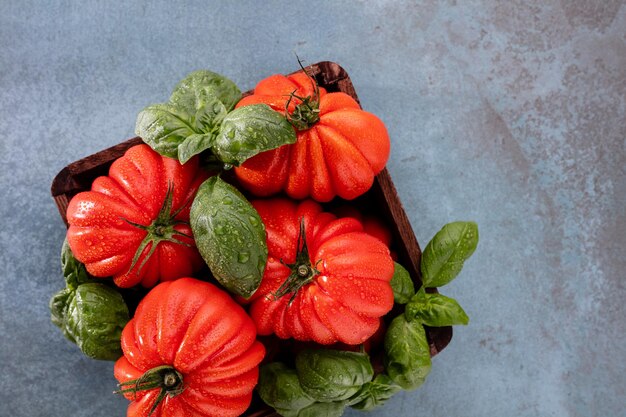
(307, 112)
(165, 377)
(160, 230)
(302, 271)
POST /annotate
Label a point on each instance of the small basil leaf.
(58, 310)
(375, 393)
(332, 375)
(401, 284)
(201, 87)
(208, 118)
(193, 145)
(435, 310)
(445, 254)
(74, 271)
(249, 130)
(230, 236)
(164, 127)
(95, 317)
(407, 354)
(279, 388)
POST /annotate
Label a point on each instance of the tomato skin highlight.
(338, 155)
(100, 232)
(199, 330)
(344, 301)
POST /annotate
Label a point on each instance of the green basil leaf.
(193, 145)
(407, 354)
(401, 284)
(332, 375)
(445, 254)
(95, 317)
(201, 87)
(435, 310)
(230, 236)
(165, 126)
(58, 310)
(249, 130)
(209, 117)
(207, 120)
(74, 271)
(375, 393)
(280, 388)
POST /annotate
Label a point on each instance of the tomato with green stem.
(189, 351)
(134, 223)
(326, 279)
(339, 147)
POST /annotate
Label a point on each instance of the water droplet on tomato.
(243, 257)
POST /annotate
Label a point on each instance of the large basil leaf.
(445, 254)
(250, 130)
(74, 271)
(201, 87)
(435, 310)
(94, 318)
(375, 393)
(230, 236)
(280, 388)
(407, 354)
(332, 375)
(401, 284)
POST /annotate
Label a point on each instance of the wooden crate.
(381, 200)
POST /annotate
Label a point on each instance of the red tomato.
(339, 150)
(329, 284)
(191, 345)
(134, 223)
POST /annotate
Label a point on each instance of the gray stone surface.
(509, 113)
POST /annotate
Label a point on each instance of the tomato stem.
(307, 112)
(302, 272)
(165, 377)
(160, 230)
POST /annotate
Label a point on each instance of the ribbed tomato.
(326, 279)
(134, 223)
(339, 150)
(189, 351)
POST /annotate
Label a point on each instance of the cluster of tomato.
(191, 348)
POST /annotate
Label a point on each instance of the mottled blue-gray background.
(510, 113)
